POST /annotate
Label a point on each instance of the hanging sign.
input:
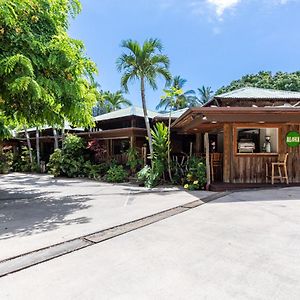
(292, 139)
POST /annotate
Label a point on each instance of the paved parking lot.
(242, 246)
(37, 211)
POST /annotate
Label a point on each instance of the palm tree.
(206, 94)
(183, 100)
(114, 101)
(144, 63)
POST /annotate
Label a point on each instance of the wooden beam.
(227, 153)
(206, 144)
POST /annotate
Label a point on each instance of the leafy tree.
(45, 76)
(114, 101)
(264, 79)
(144, 63)
(183, 100)
(205, 93)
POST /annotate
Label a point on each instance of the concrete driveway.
(243, 246)
(38, 210)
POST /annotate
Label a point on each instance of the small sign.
(293, 139)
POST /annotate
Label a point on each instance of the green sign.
(293, 139)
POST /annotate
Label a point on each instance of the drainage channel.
(26, 260)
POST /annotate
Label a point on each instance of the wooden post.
(206, 144)
(191, 149)
(132, 141)
(198, 143)
(227, 155)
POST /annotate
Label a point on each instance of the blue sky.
(209, 42)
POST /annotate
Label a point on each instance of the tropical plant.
(196, 174)
(178, 100)
(151, 176)
(144, 63)
(69, 161)
(205, 93)
(114, 101)
(54, 164)
(45, 76)
(116, 174)
(6, 161)
(267, 80)
(133, 159)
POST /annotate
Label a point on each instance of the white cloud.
(222, 5)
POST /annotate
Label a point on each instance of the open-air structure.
(249, 129)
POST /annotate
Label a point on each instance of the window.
(257, 140)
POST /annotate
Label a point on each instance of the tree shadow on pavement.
(29, 212)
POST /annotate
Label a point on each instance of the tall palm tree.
(183, 100)
(114, 101)
(205, 93)
(144, 63)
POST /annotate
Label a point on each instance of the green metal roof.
(125, 112)
(258, 93)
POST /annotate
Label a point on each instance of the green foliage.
(69, 161)
(6, 161)
(116, 174)
(206, 94)
(143, 61)
(175, 98)
(133, 160)
(263, 79)
(114, 101)
(45, 75)
(94, 171)
(150, 177)
(54, 164)
(160, 143)
(196, 174)
(21, 163)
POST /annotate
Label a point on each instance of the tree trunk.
(169, 146)
(55, 138)
(63, 134)
(37, 137)
(28, 145)
(146, 117)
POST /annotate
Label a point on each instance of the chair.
(281, 163)
(215, 163)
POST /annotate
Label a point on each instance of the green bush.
(196, 174)
(133, 160)
(54, 164)
(69, 161)
(21, 163)
(116, 174)
(94, 171)
(149, 177)
(6, 161)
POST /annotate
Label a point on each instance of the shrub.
(6, 160)
(116, 174)
(196, 174)
(54, 164)
(150, 177)
(21, 163)
(133, 160)
(69, 161)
